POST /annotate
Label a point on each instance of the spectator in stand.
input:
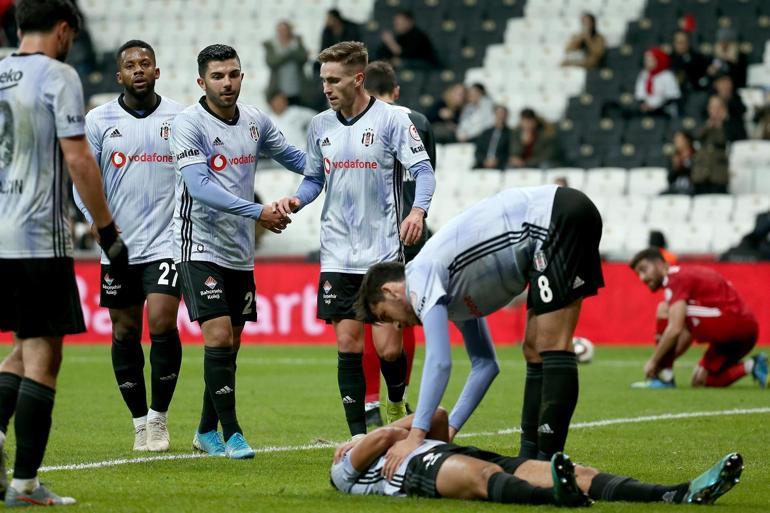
(728, 58)
(709, 172)
(407, 46)
(688, 65)
(286, 57)
(723, 87)
(586, 48)
(477, 114)
(658, 240)
(680, 167)
(656, 87)
(533, 143)
(493, 145)
(338, 29)
(445, 114)
(291, 120)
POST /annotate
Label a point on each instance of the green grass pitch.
(287, 400)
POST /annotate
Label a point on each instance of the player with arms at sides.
(353, 150)
(129, 138)
(699, 305)
(546, 237)
(437, 468)
(381, 82)
(41, 100)
(217, 143)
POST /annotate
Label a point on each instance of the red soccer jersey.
(715, 311)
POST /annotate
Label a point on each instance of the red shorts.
(719, 357)
(730, 338)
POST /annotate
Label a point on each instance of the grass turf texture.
(287, 396)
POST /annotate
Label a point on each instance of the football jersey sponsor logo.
(165, 130)
(217, 142)
(77, 118)
(108, 279)
(327, 166)
(10, 78)
(367, 139)
(118, 159)
(191, 152)
(253, 131)
(417, 149)
(115, 133)
(326, 142)
(218, 162)
(352, 164)
(414, 134)
(210, 282)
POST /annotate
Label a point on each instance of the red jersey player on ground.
(699, 305)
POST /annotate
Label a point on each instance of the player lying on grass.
(440, 469)
(699, 305)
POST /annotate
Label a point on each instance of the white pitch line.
(329, 445)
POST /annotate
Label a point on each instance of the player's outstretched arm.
(201, 188)
(484, 370)
(307, 192)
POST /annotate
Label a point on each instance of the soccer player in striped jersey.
(437, 468)
(699, 305)
(41, 129)
(353, 150)
(546, 237)
(129, 138)
(381, 82)
(217, 143)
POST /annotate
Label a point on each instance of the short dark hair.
(133, 43)
(43, 15)
(348, 53)
(380, 78)
(216, 52)
(406, 13)
(370, 292)
(651, 254)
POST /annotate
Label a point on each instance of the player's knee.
(126, 333)
(347, 343)
(219, 337)
(530, 352)
(587, 473)
(662, 311)
(159, 324)
(390, 353)
(481, 482)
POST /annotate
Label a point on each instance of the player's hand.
(345, 448)
(114, 247)
(411, 227)
(650, 369)
(287, 205)
(452, 433)
(397, 454)
(273, 220)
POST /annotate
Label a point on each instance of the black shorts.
(139, 280)
(337, 294)
(421, 472)
(40, 298)
(211, 291)
(568, 266)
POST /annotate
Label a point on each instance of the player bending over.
(439, 469)
(699, 305)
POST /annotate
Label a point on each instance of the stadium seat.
(762, 180)
(458, 156)
(637, 237)
(689, 238)
(728, 234)
(647, 181)
(631, 208)
(668, 209)
(522, 177)
(747, 206)
(612, 243)
(482, 183)
(606, 181)
(711, 208)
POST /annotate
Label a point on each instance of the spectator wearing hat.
(656, 87)
(728, 59)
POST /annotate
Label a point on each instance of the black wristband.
(108, 235)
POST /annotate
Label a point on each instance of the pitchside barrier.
(622, 313)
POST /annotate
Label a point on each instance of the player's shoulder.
(100, 112)
(169, 105)
(57, 68)
(322, 119)
(189, 113)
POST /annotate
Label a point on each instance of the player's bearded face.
(137, 72)
(339, 85)
(222, 82)
(650, 273)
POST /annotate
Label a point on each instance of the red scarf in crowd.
(662, 61)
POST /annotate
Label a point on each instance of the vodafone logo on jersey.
(118, 159)
(219, 162)
(327, 166)
(349, 164)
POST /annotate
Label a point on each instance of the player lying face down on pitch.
(439, 469)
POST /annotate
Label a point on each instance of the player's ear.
(389, 290)
(201, 83)
(157, 72)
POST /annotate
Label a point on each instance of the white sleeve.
(405, 140)
(185, 142)
(65, 92)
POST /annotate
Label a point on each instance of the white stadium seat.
(689, 238)
(613, 240)
(668, 209)
(728, 234)
(522, 177)
(747, 206)
(606, 181)
(709, 208)
(637, 237)
(575, 176)
(649, 181)
(631, 208)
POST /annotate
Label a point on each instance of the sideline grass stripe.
(329, 445)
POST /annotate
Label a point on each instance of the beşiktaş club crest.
(540, 261)
(165, 130)
(368, 138)
(253, 131)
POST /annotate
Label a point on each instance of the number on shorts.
(546, 294)
(165, 268)
(249, 298)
